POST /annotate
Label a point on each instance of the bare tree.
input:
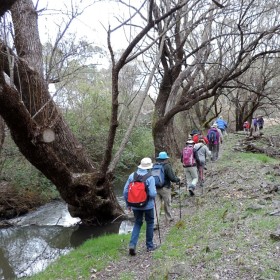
(29, 111)
(209, 47)
(31, 115)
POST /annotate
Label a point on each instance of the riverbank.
(230, 231)
(14, 202)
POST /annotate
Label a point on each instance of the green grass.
(222, 232)
(94, 254)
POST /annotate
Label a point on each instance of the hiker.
(214, 136)
(164, 192)
(147, 210)
(222, 124)
(246, 127)
(196, 135)
(190, 166)
(260, 122)
(255, 124)
(202, 153)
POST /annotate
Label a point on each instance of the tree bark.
(2, 133)
(28, 110)
(5, 5)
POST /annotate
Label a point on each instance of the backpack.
(158, 173)
(212, 137)
(188, 156)
(138, 193)
(196, 155)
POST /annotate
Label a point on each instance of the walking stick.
(157, 221)
(180, 200)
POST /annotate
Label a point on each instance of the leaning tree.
(38, 127)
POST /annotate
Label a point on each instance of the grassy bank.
(224, 233)
(93, 255)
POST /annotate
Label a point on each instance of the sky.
(89, 24)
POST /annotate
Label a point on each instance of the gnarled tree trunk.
(28, 110)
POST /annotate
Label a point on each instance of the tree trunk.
(28, 110)
(5, 5)
(2, 133)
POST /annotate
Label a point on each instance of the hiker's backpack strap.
(141, 178)
(146, 176)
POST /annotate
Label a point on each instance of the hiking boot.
(153, 248)
(191, 191)
(132, 251)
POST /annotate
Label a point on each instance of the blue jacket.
(152, 189)
(222, 124)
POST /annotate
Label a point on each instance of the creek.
(40, 237)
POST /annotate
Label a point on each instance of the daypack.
(158, 173)
(212, 137)
(196, 155)
(188, 156)
(138, 193)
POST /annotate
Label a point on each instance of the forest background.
(181, 65)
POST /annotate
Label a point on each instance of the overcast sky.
(89, 24)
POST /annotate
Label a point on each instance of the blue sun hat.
(162, 155)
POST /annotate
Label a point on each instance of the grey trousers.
(191, 176)
(163, 196)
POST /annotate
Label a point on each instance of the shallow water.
(40, 237)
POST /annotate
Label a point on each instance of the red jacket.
(246, 125)
(197, 136)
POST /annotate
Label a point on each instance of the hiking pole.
(180, 200)
(157, 221)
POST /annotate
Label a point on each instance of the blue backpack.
(212, 137)
(158, 174)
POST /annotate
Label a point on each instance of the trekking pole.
(157, 221)
(180, 200)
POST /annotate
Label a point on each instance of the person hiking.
(147, 210)
(222, 124)
(260, 122)
(196, 135)
(202, 152)
(246, 127)
(190, 166)
(213, 136)
(255, 124)
(164, 192)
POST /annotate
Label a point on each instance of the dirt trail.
(223, 181)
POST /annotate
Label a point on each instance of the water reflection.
(41, 237)
(28, 251)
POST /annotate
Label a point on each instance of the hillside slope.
(230, 231)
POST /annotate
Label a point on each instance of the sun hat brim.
(164, 157)
(149, 166)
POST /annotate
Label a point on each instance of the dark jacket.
(169, 175)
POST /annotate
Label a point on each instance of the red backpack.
(188, 156)
(138, 193)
